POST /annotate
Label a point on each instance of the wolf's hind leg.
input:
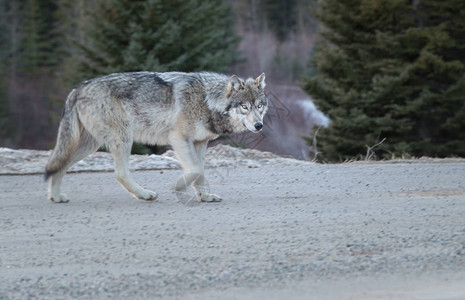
(86, 146)
(121, 153)
(54, 188)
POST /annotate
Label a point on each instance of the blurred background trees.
(28, 59)
(387, 73)
(161, 35)
(391, 72)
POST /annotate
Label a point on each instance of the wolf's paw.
(59, 199)
(147, 195)
(210, 198)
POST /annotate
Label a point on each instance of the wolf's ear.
(260, 81)
(234, 84)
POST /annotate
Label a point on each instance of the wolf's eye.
(260, 105)
(244, 106)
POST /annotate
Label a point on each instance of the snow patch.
(33, 161)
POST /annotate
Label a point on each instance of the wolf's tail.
(68, 138)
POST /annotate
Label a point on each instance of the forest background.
(48, 46)
(388, 74)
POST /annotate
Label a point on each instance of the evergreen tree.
(39, 41)
(3, 56)
(158, 35)
(391, 71)
(6, 48)
(3, 30)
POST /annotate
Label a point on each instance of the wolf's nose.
(258, 125)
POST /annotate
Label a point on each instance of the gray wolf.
(183, 110)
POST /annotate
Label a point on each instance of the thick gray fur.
(184, 110)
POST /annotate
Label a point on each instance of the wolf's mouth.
(250, 129)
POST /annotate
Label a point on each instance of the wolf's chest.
(201, 132)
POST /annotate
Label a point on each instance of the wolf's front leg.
(202, 190)
(201, 186)
(191, 156)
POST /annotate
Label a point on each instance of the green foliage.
(3, 32)
(3, 56)
(393, 70)
(158, 35)
(38, 40)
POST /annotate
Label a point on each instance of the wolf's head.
(247, 102)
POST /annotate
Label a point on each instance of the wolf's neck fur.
(219, 123)
(216, 92)
(218, 104)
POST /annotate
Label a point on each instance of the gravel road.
(310, 231)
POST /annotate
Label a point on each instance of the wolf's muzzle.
(258, 126)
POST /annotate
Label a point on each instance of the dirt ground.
(283, 231)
